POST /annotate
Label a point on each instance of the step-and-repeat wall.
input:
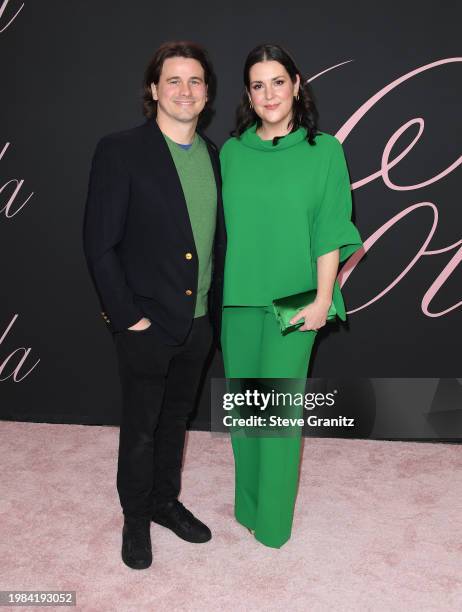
(387, 82)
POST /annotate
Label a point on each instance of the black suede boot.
(136, 542)
(182, 522)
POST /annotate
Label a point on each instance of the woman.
(287, 201)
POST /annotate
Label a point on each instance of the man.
(154, 240)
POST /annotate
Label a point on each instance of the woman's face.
(272, 92)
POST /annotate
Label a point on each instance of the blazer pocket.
(144, 294)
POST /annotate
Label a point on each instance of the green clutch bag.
(287, 307)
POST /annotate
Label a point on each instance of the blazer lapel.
(167, 178)
(220, 231)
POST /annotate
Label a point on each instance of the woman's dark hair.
(305, 113)
(182, 48)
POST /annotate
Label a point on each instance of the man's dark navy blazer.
(138, 240)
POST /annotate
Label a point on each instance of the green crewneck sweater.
(284, 205)
(198, 183)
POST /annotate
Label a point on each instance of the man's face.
(181, 92)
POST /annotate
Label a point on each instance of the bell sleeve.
(333, 228)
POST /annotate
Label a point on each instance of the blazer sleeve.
(333, 228)
(104, 221)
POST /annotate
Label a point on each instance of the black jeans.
(159, 389)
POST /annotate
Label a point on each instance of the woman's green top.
(285, 205)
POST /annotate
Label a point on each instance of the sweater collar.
(251, 139)
(176, 145)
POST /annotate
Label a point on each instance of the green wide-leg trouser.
(266, 468)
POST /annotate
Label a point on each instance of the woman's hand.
(315, 315)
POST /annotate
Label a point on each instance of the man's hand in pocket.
(143, 323)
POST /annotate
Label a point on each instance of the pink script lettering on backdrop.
(383, 173)
(7, 208)
(2, 11)
(23, 354)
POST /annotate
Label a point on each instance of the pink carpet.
(378, 526)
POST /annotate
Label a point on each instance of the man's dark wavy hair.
(305, 113)
(182, 48)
